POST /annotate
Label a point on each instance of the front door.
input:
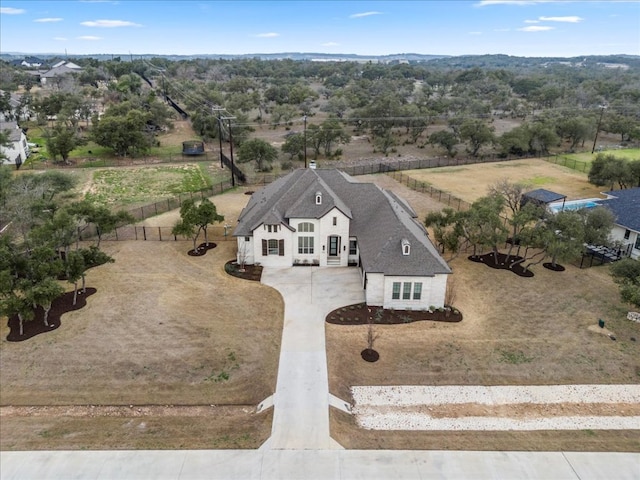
(334, 246)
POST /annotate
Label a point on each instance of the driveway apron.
(301, 401)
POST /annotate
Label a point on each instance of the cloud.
(330, 44)
(267, 35)
(364, 14)
(572, 19)
(485, 3)
(89, 37)
(535, 28)
(12, 11)
(48, 20)
(109, 23)
(532, 21)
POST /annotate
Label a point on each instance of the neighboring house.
(625, 205)
(14, 104)
(29, 62)
(60, 69)
(18, 152)
(327, 218)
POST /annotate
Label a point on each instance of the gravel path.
(417, 407)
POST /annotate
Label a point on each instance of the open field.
(163, 329)
(470, 182)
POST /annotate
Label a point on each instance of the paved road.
(316, 464)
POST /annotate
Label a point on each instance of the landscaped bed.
(360, 314)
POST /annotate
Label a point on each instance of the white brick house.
(327, 218)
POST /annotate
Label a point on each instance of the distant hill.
(462, 61)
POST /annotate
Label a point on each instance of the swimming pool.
(573, 205)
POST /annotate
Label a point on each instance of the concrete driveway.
(301, 401)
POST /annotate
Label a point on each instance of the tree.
(607, 169)
(123, 134)
(626, 273)
(447, 231)
(564, 236)
(74, 270)
(446, 140)
(326, 135)
(44, 293)
(206, 214)
(195, 219)
(598, 223)
(477, 134)
(482, 226)
(294, 146)
(260, 151)
(575, 129)
(62, 140)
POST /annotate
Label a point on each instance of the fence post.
(144, 232)
(116, 230)
(135, 231)
(160, 233)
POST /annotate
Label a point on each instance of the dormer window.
(318, 198)
(406, 247)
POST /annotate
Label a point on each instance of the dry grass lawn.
(163, 329)
(470, 182)
(518, 331)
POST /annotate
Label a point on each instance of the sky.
(529, 28)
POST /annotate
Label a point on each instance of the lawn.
(582, 161)
(128, 186)
(520, 331)
(164, 329)
(471, 182)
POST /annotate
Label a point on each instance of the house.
(625, 205)
(18, 151)
(60, 69)
(329, 219)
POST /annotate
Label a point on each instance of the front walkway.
(301, 401)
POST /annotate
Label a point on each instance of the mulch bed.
(202, 249)
(360, 313)
(555, 268)
(60, 305)
(502, 263)
(251, 272)
(370, 355)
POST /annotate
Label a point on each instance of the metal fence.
(216, 233)
(163, 206)
(572, 163)
(439, 195)
(122, 162)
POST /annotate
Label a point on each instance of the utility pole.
(214, 110)
(233, 180)
(602, 107)
(305, 141)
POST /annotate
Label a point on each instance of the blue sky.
(513, 27)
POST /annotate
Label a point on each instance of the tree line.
(40, 241)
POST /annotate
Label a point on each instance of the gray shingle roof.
(625, 205)
(544, 196)
(379, 219)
